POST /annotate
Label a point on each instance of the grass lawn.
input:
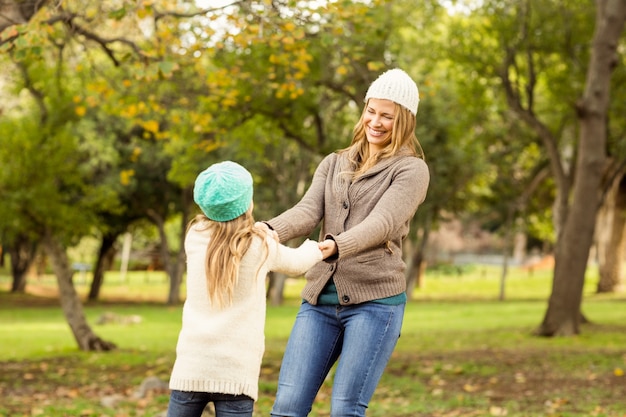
(462, 352)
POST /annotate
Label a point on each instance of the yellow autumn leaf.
(131, 110)
(229, 102)
(375, 65)
(341, 70)
(80, 110)
(135, 155)
(126, 175)
(151, 126)
(143, 13)
(497, 411)
(470, 388)
(91, 12)
(618, 372)
(92, 101)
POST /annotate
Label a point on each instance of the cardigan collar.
(345, 166)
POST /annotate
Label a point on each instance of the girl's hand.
(328, 248)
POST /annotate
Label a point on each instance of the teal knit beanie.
(223, 191)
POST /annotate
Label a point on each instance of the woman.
(353, 302)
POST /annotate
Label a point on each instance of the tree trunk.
(413, 258)
(174, 266)
(177, 270)
(611, 237)
(415, 273)
(22, 253)
(276, 288)
(416, 266)
(70, 302)
(107, 248)
(572, 250)
(509, 243)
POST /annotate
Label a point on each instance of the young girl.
(221, 343)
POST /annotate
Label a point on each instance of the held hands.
(328, 248)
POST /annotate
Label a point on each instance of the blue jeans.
(191, 404)
(364, 335)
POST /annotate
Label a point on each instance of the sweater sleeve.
(396, 207)
(301, 219)
(294, 261)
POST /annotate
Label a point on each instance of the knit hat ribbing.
(397, 86)
(223, 191)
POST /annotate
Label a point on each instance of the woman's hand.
(328, 248)
(266, 229)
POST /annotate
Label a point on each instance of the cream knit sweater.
(220, 351)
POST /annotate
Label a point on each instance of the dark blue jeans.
(361, 336)
(192, 404)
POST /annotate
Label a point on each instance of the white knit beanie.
(397, 86)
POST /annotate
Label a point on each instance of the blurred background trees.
(110, 109)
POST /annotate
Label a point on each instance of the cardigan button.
(345, 299)
(345, 205)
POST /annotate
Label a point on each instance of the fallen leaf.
(470, 388)
(497, 411)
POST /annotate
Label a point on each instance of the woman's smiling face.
(378, 122)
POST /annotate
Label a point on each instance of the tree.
(572, 251)
(49, 193)
(533, 49)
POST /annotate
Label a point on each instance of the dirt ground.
(528, 380)
(522, 379)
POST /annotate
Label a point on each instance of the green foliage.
(45, 185)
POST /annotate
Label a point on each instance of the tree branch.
(159, 15)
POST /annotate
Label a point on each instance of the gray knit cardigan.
(368, 218)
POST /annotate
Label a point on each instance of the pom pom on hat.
(223, 191)
(397, 86)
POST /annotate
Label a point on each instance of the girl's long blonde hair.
(229, 241)
(403, 139)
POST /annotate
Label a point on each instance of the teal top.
(329, 296)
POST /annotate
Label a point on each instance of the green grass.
(462, 351)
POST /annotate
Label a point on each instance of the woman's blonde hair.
(229, 241)
(403, 139)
